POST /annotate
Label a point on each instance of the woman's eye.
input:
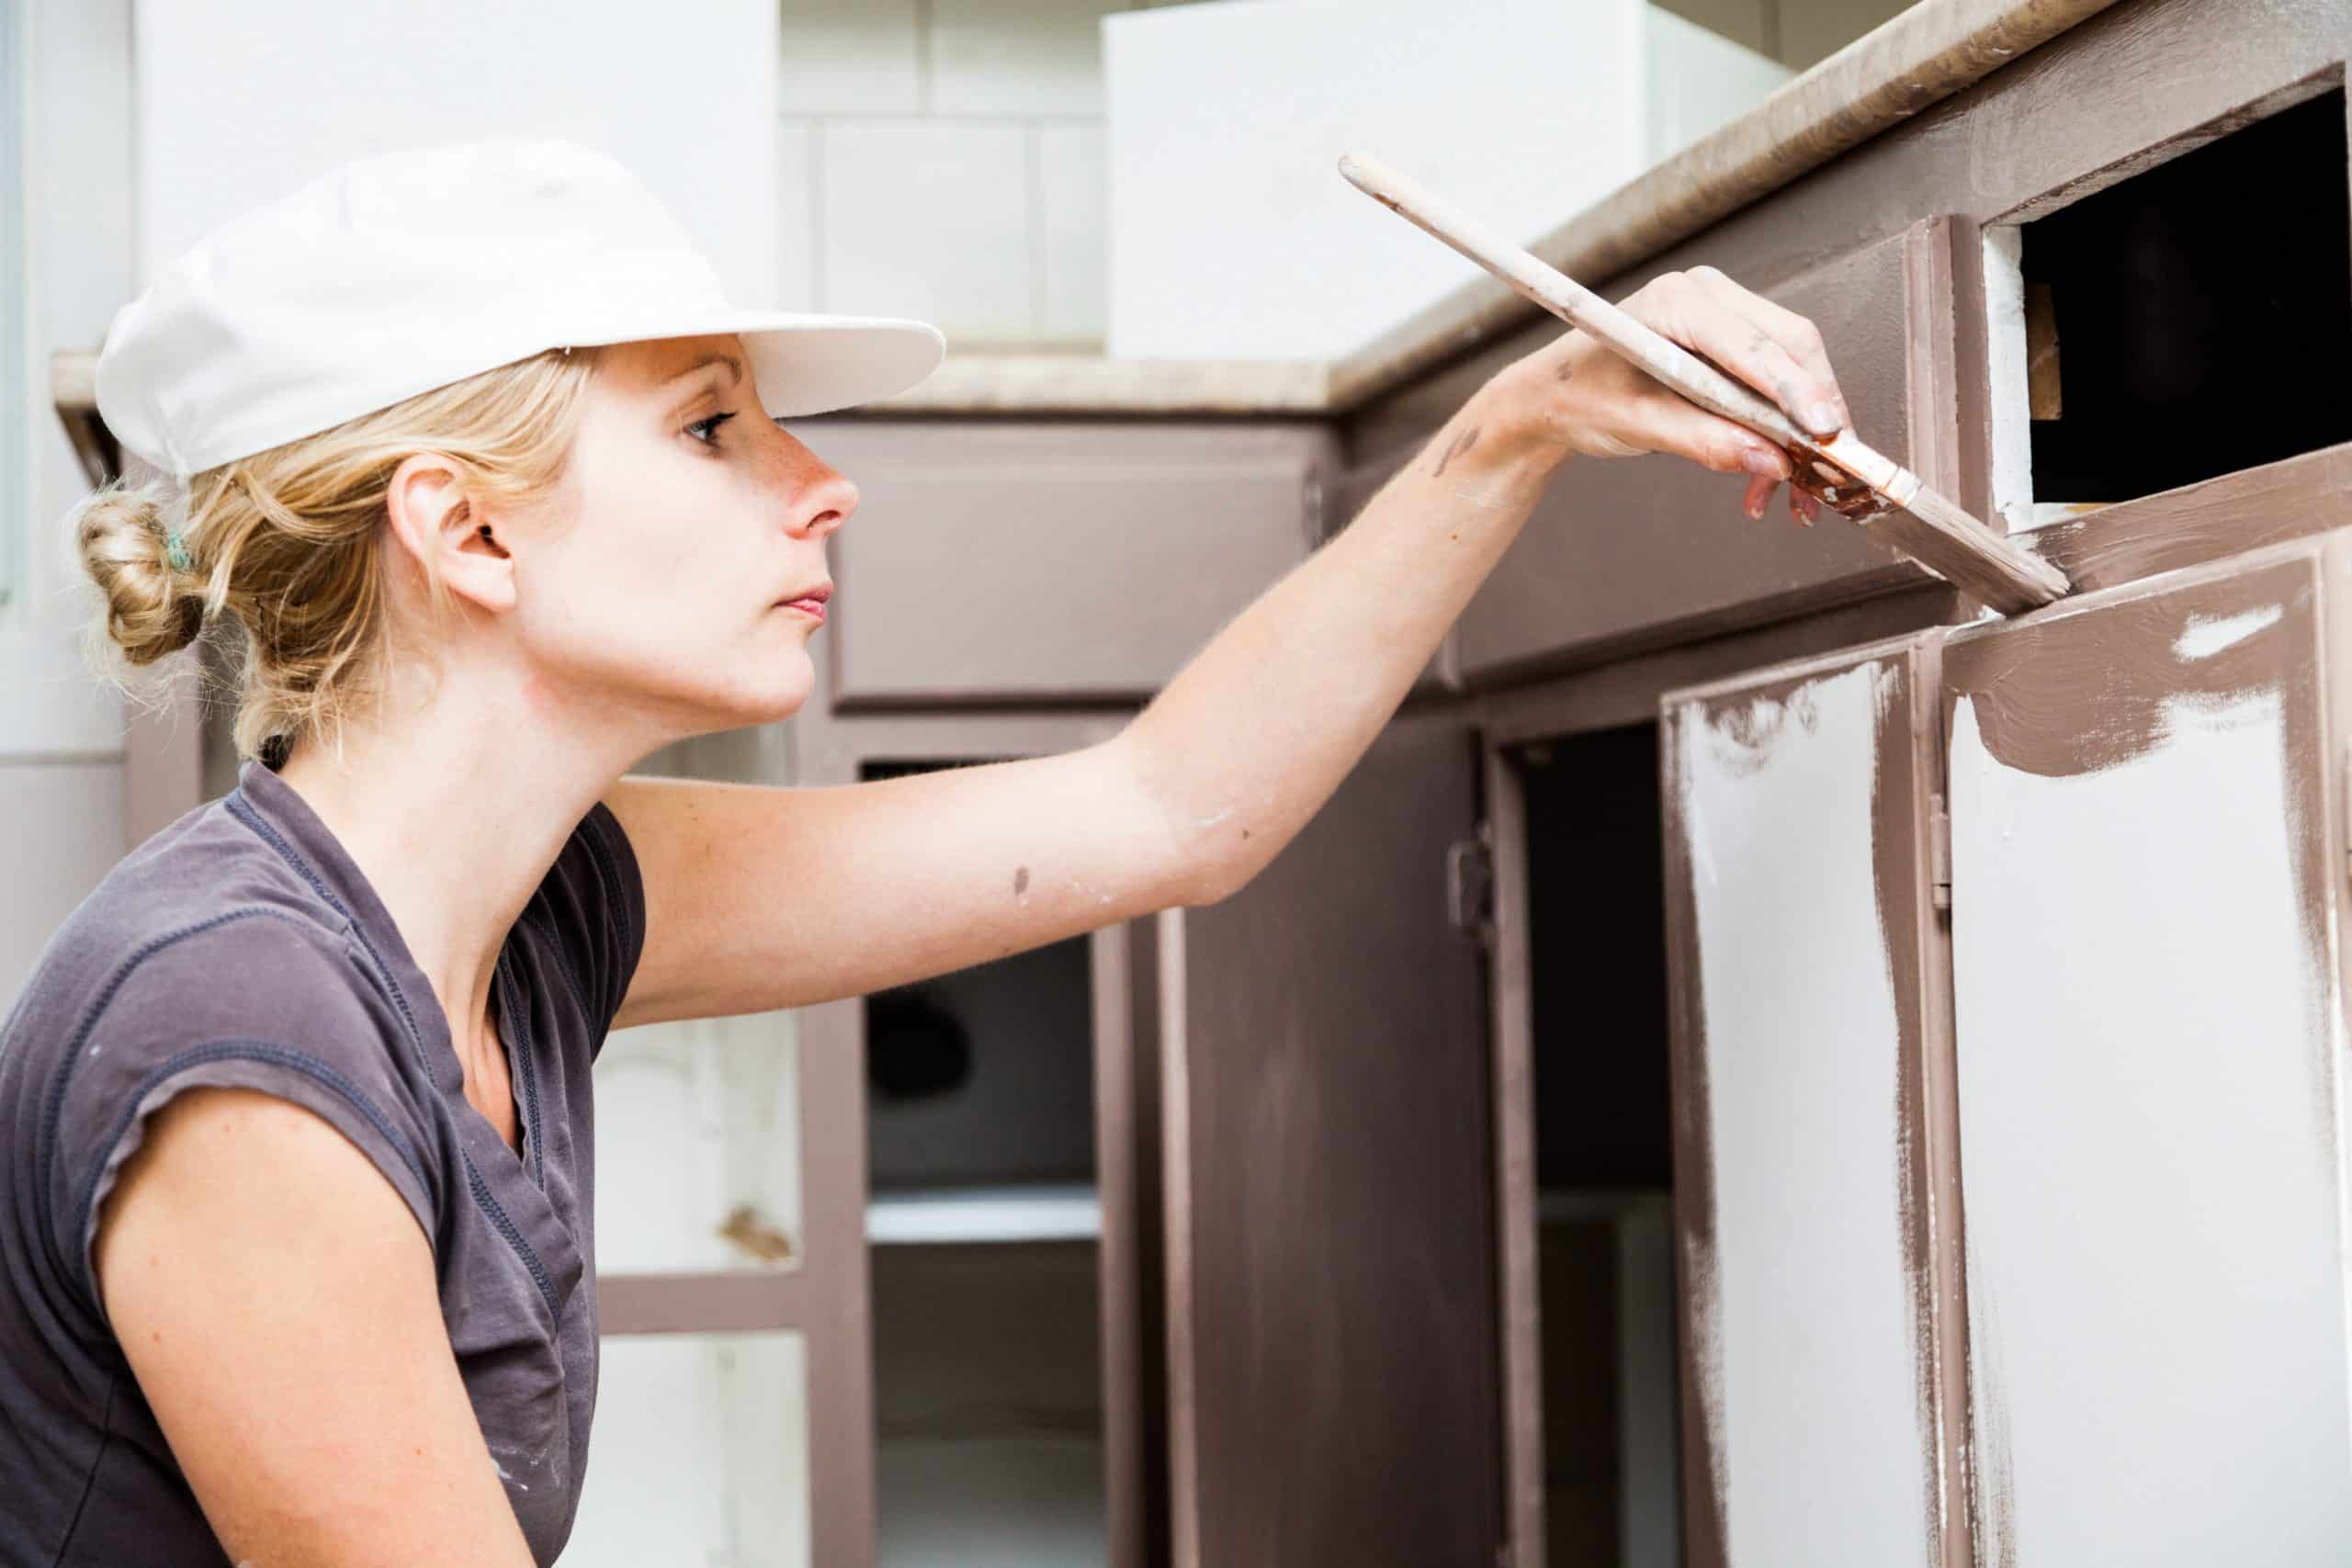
(713, 422)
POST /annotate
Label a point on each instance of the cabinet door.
(2151, 1071)
(1639, 552)
(1063, 561)
(1329, 1192)
(1813, 1149)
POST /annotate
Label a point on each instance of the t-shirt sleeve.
(594, 906)
(252, 1002)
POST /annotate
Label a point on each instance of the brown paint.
(1019, 881)
(2227, 515)
(2067, 695)
(1705, 1542)
(1333, 1240)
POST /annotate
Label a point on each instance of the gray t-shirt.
(243, 946)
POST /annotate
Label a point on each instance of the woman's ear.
(432, 518)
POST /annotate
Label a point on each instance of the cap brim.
(808, 364)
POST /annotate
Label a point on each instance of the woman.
(297, 1167)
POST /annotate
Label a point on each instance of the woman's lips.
(813, 608)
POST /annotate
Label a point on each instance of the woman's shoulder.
(202, 929)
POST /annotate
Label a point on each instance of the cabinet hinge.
(1939, 851)
(1470, 885)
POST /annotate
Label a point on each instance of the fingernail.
(1761, 461)
(1825, 419)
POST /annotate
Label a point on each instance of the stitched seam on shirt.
(269, 835)
(239, 1050)
(53, 1112)
(474, 1182)
(489, 1204)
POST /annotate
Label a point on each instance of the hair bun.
(151, 610)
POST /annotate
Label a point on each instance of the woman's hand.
(1581, 397)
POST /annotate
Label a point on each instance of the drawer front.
(1632, 553)
(1053, 562)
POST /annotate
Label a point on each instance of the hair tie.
(175, 552)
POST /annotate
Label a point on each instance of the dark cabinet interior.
(1603, 1146)
(2178, 322)
(984, 1253)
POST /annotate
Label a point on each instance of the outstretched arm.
(761, 897)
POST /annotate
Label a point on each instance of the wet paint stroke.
(2148, 1023)
(1817, 1302)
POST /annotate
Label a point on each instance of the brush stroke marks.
(2148, 1028)
(1798, 1113)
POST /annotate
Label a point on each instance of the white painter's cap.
(394, 275)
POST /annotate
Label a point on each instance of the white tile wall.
(943, 159)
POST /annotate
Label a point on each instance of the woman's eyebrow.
(734, 368)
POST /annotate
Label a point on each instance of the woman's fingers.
(1773, 350)
(1652, 419)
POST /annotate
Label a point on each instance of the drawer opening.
(983, 1230)
(2184, 321)
(1596, 922)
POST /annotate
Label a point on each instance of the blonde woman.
(470, 458)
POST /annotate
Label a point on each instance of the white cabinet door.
(1813, 1150)
(2151, 1060)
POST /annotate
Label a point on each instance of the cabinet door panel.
(2150, 1074)
(1635, 552)
(1330, 1191)
(1068, 561)
(1811, 1087)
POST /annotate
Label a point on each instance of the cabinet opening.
(983, 1229)
(1604, 1149)
(2177, 324)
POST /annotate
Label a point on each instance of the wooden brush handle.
(1851, 477)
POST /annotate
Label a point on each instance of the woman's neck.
(454, 814)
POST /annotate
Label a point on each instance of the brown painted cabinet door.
(1054, 561)
(2146, 881)
(1328, 1184)
(1640, 552)
(1812, 1091)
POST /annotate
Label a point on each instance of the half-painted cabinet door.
(1328, 1188)
(2145, 903)
(1811, 1088)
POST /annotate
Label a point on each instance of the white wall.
(1232, 234)
(683, 93)
(61, 807)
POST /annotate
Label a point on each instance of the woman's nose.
(824, 505)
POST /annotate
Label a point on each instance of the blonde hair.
(286, 548)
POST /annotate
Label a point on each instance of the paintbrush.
(1851, 478)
